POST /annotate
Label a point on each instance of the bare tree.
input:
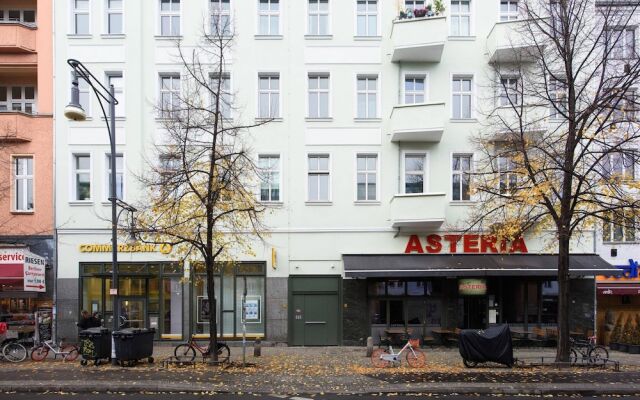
(557, 151)
(201, 195)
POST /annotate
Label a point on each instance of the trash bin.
(95, 345)
(133, 345)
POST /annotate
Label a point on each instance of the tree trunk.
(562, 352)
(213, 326)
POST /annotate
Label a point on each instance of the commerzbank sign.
(126, 248)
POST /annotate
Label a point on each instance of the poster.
(252, 309)
(34, 267)
(203, 310)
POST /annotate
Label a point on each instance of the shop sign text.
(472, 287)
(127, 248)
(471, 243)
(34, 273)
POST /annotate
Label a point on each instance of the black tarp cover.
(492, 344)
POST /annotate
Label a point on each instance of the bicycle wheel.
(185, 352)
(573, 357)
(416, 358)
(72, 352)
(597, 354)
(39, 353)
(14, 352)
(223, 353)
(376, 359)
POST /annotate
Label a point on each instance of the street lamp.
(75, 112)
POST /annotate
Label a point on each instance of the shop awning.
(417, 265)
(618, 289)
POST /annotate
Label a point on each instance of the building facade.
(368, 159)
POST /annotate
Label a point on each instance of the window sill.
(113, 36)
(368, 38)
(464, 120)
(462, 38)
(260, 119)
(117, 118)
(620, 243)
(457, 203)
(318, 37)
(367, 120)
(366, 203)
(268, 37)
(328, 119)
(166, 37)
(79, 36)
(16, 212)
(88, 118)
(81, 203)
(318, 203)
(273, 204)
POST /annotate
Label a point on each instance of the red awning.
(13, 271)
(612, 289)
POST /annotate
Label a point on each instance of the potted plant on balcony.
(420, 12)
(634, 343)
(614, 339)
(403, 15)
(438, 7)
(430, 12)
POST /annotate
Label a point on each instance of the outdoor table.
(521, 332)
(442, 333)
(396, 335)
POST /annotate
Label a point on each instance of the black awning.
(416, 265)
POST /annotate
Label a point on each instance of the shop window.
(415, 288)
(129, 286)
(91, 269)
(395, 288)
(415, 312)
(378, 312)
(132, 268)
(250, 269)
(549, 302)
(532, 302)
(172, 306)
(202, 306)
(433, 308)
(172, 269)
(254, 303)
(92, 294)
(514, 307)
(153, 304)
(396, 312)
(376, 288)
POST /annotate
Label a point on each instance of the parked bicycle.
(381, 358)
(187, 351)
(68, 352)
(588, 350)
(13, 351)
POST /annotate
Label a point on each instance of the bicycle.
(12, 350)
(382, 358)
(588, 349)
(187, 351)
(68, 352)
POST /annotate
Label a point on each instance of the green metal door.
(321, 320)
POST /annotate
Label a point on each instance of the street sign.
(34, 273)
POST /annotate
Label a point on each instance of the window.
(620, 164)
(115, 79)
(460, 177)
(80, 17)
(414, 4)
(221, 17)
(318, 177)
(367, 88)
(414, 89)
(119, 176)
(23, 183)
(269, 17)
(269, 166)
(507, 178)
(318, 96)
(460, 17)
(462, 96)
(269, 96)
(414, 172)
(84, 95)
(169, 94)
(558, 92)
(509, 92)
(367, 177)
(624, 106)
(619, 228)
(27, 17)
(18, 98)
(508, 10)
(82, 177)
(224, 91)
(318, 17)
(115, 18)
(367, 17)
(170, 17)
(622, 42)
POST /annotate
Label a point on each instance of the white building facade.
(369, 158)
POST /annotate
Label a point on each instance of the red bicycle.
(187, 351)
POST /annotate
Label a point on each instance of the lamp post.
(74, 111)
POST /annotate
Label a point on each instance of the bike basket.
(415, 343)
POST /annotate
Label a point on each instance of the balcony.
(526, 118)
(419, 39)
(417, 122)
(17, 38)
(417, 212)
(19, 127)
(506, 43)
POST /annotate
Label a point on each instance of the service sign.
(34, 273)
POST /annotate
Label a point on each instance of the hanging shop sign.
(472, 287)
(22, 270)
(127, 248)
(484, 244)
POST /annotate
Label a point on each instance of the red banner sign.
(471, 243)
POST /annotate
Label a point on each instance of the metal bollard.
(369, 346)
(257, 348)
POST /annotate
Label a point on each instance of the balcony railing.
(417, 212)
(507, 43)
(419, 39)
(16, 37)
(417, 122)
(21, 127)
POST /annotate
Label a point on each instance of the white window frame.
(226, 76)
(172, 75)
(505, 90)
(269, 14)
(367, 14)
(509, 176)
(610, 225)
(463, 93)
(461, 172)
(75, 172)
(318, 91)
(84, 89)
(108, 11)
(509, 15)
(626, 169)
(366, 92)
(280, 180)
(317, 14)
(107, 172)
(414, 75)
(622, 41)
(558, 94)
(318, 172)
(217, 13)
(170, 14)
(425, 170)
(367, 171)
(119, 91)
(4, 15)
(23, 101)
(15, 207)
(271, 93)
(459, 15)
(73, 13)
(413, 4)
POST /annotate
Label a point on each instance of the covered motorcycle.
(489, 345)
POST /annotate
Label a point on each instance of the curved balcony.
(21, 127)
(417, 122)
(419, 39)
(506, 43)
(17, 38)
(417, 212)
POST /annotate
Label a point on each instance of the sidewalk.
(297, 370)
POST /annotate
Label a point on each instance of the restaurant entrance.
(475, 312)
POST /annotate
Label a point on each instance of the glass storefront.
(150, 295)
